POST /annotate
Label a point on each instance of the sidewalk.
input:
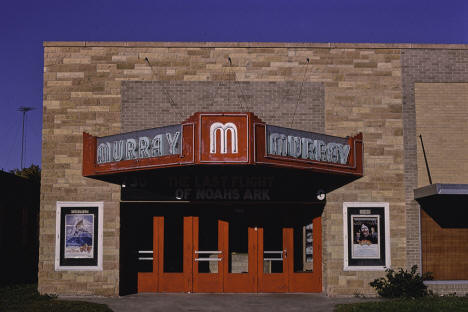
(221, 302)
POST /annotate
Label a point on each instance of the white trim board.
(99, 244)
(383, 205)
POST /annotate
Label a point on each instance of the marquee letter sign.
(139, 144)
(223, 130)
(307, 145)
(226, 139)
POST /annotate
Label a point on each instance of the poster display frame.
(366, 236)
(79, 236)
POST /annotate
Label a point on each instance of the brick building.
(112, 224)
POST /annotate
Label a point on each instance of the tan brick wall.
(82, 93)
(273, 102)
(78, 96)
(364, 94)
(442, 119)
(424, 64)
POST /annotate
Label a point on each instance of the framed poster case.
(366, 236)
(78, 243)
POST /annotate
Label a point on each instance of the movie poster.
(365, 233)
(79, 235)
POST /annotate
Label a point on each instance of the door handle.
(141, 254)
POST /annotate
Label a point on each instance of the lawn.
(425, 304)
(25, 298)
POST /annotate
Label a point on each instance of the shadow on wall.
(19, 229)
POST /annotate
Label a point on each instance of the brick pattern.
(364, 94)
(449, 288)
(148, 104)
(422, 66)
(441, 118)
(77, 97)
(83, 85)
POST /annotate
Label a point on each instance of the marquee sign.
(306, 145)
(224, 138)
(139, 144)
(221, 139)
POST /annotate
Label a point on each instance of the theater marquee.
(237, 140)
(307, 145)
(139, 144)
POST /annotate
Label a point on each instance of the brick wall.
(79, 95)
(442, 119)
(154, 104)
(83, 82)
(423, 66)
(430, 65)
(364, 94)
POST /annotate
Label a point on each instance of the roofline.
(133, 44)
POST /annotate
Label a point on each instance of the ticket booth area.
(222, 248)
(222, 202)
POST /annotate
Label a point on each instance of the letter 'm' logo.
(223, 129)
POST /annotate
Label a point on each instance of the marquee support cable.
(300, 92)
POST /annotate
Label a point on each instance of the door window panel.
(144, 243)
(207, 253)
(303, 248)
(273, 249)
(238, 247)
(173, 244)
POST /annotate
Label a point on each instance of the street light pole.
(24, 110)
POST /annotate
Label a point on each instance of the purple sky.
(24, 25)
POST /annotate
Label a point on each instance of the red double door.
(209, 254)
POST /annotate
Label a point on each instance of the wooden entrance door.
(305, 256)
(290, 257)
(174, 253)
(172, 250)
(273, 247)
(148, 281)
(241, 249)
(209, 254)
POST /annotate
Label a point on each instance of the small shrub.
(402, 284)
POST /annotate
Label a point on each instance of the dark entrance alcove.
(137, 229)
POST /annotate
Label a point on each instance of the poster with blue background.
(79, 235)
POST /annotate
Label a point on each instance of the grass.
(425, 304)
(25, 298)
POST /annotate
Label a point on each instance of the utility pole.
(24, 110)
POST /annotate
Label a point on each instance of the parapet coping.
(132, 44)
